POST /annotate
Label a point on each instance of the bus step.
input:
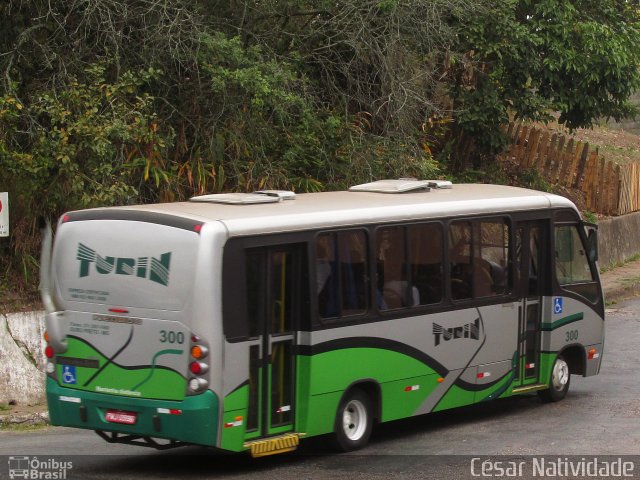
(270, 446)
(530, 388)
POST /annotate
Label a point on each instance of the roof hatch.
(401, 185)
(261, 196)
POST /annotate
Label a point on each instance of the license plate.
(117, 416)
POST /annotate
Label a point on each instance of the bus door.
(531, 252)
(274, 282)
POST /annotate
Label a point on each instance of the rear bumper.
(196, 422)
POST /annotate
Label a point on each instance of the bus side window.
(341, 273)
(353, 272)
(479, 259)
(426, 251)
(326, 276)
(392, 283)
(460, 260)
(491, 267)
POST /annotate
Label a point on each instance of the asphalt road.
(600, 416)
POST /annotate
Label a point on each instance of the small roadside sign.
(4, 214)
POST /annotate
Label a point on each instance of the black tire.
(354, 421)
(558, 383)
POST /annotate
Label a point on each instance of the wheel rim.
(560, 376)
(354, 420)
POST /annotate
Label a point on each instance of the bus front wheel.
(354, 421)
(559, 383)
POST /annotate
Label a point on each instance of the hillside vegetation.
(106, 102)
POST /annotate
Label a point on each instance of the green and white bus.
(246, 321)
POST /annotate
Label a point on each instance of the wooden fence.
(609, 188)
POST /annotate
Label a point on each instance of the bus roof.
(344, 208)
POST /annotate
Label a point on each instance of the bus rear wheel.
(354, 421)
(559, 383)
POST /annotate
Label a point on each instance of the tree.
(531, 58)
(117, 101)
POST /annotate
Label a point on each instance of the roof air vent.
(281, 194)
(440, 184)
(262, 196)
(392, 186)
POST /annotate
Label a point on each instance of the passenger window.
(426, 249)
(491, 269)
(572, 265)
(341, 273)
(327, 276)
(353, 271)
(479, 259)
(392, 286)
(460, 265)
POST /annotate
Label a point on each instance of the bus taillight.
(50, 367)
(199, 350)
(198, 368)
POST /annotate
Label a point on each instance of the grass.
(620, 155)
(610, 267)
(613, 144)
(22, 427)
(631, 282)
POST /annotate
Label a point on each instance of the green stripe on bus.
(547, 327)
(170, 351)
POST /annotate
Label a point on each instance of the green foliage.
(492, 173)
(107, 102)
(531, 178)
(269, 132)
(91, 143)
(84, 142)
(589, 216)
(529, 58)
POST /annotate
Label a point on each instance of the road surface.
(600, 416)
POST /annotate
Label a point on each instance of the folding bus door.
(274, 279)
(531, 265)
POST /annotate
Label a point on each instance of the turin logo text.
(468, 330)
(151, 268)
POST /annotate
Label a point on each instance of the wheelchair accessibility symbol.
(68, 374)
(557, 306)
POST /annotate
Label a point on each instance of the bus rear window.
(125, 263)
